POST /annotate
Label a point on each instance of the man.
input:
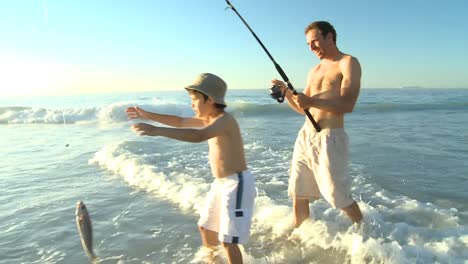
(320, 159)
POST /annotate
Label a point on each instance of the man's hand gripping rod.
(278, 68)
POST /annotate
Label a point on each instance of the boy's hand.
(135, 112)
(142, 129)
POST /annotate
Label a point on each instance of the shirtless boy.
(320, 159)
(227, 215)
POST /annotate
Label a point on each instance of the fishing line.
(65, 127)
(278, 68)
(46, 18)
(82, 218)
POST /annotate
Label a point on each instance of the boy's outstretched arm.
(184, 134)
(135, 112)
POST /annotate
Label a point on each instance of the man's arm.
(215, 129)
(170, 120)
(349, 91)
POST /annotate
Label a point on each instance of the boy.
(227, 215)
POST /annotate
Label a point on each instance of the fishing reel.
(275, 93)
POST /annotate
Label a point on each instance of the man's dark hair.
(205, 97)
(324, 27)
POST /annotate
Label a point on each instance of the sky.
(66, 47)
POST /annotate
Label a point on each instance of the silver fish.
(83, 223)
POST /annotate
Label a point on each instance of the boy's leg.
(233, 253)
(210, 243)
(209, 238)
(301, 211)
(353, 212)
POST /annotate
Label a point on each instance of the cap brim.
(197, 88)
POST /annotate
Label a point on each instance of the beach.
(408, 164)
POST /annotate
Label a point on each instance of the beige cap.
(211, 85)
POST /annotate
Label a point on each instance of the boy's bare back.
(226, 151)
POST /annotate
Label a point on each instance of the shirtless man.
(227, 215)
(320, 160)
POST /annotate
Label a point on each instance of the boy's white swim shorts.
(229, 207)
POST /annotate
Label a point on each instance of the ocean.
(409, 169)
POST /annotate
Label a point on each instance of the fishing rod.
(275, 90)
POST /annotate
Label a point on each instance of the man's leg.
(233, 253)
(353, 212)
(301, 211)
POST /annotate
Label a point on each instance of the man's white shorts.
(320, 166)
(229, 207)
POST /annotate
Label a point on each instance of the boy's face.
(200, 106)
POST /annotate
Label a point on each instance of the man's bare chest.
(325, 80)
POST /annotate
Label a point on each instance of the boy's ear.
(210, 101)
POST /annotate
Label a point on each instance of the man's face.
(317, 43)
